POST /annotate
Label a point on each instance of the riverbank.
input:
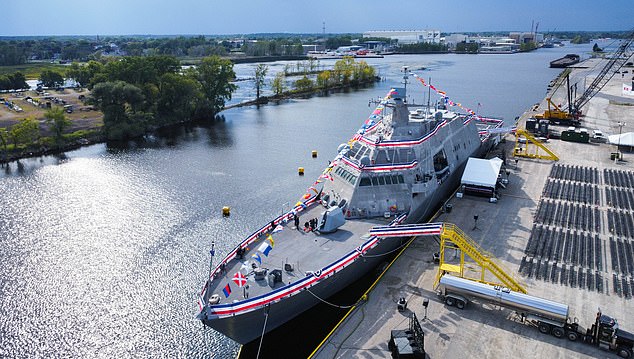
(91, 126)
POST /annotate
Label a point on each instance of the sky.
(211, 17)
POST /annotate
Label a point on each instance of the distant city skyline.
(188, 17)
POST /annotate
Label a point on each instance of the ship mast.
(405, 78)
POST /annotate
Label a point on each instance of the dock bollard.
(314, 154)
(300, 171)
(226, 211)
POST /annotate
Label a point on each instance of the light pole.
(618, 146)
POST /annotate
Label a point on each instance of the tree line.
(346, 72)
(138, 93)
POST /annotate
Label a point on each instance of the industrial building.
(407, 36)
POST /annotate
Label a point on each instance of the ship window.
(400, 179)
(353, 180)
(395, 179)
(365, 181)
(388, 179)
(381, 181)
(464, 145)
(375, 182)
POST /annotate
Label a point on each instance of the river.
(103, 250)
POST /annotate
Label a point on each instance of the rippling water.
(103, 250)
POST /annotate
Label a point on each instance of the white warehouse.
(407, 37)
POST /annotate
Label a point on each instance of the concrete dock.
(593, 269)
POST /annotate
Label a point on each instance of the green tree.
(279, 84)
(260, 74)
(121, 105)
(83, 74)
(176, 98)
(323, 79)
(343, 70)
(17, 81)
(4, 141)
(26, 131)
(51, 79)
(58, 122)
(304, 84)
(214, 76)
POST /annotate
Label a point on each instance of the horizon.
(190, 18)
(302, 33)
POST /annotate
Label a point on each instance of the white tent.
(482, 173)
(625, 139)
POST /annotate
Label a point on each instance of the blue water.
(103, 250)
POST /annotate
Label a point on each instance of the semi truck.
(548, 316)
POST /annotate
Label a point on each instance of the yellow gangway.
(483, 263)
(531, 148)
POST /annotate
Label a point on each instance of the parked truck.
(550, 317)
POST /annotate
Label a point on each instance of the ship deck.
(304, 251)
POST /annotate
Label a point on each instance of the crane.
(614, 64)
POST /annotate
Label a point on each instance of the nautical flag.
(227, 290)
(239, 279)
(265, 248)
(212, 252)
(257, 258)
(245, 266)
(270, 238)
(306, 196)
(279, 228)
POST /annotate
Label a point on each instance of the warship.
(400, 166)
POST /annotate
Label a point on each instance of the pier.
(564, 228)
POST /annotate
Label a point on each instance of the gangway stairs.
(518, 151)
(452, 237)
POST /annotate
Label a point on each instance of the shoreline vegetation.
(135, 96)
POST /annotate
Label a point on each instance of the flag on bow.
(227, 290)
(239, 279)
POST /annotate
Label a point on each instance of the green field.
(32, 70)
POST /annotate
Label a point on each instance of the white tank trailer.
(550, 317)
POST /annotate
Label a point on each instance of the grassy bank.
(32, 70)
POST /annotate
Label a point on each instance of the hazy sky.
(159, 17)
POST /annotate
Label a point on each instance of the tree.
(57, 121)
(214, 75)
(17, 81)
(176, 98)
(120, 103)
(260, 74)
(26, 131)
(343, 70)
(304, 84)
(83, 74)
(4, 141)
(279, 84)
(51, 79)
(323, 79)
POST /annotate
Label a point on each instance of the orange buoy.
(314, 153)
(226, 211)
(300, 171)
